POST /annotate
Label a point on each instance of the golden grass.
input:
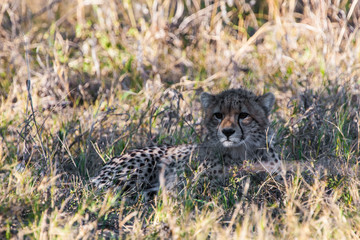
(108, 76)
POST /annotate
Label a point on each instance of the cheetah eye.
(243, 115)
(218, 115)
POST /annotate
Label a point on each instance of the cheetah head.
(236, 117)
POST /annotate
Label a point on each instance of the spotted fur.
(238, 137)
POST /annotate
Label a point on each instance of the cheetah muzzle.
(237, 123)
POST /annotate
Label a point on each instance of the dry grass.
(107, 76)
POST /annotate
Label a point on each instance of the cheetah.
(237, 123)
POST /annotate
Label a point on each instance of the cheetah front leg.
(267, 161)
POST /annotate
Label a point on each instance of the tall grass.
(82, 81)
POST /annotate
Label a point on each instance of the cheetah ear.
(206, 99)
(267, 102)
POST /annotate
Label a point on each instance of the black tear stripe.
(242, 131)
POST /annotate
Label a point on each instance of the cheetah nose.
(228, 132)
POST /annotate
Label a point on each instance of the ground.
(81, 82)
